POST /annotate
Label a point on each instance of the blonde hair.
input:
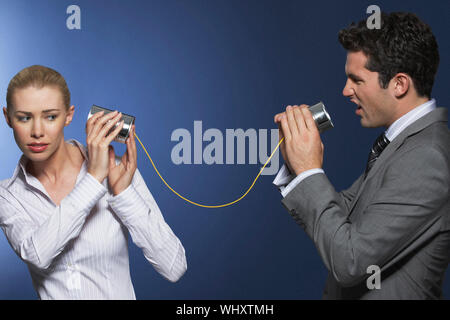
(38, 77)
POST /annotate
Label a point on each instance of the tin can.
(128, 122)
(321, 117)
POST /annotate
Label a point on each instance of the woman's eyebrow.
(30, 113)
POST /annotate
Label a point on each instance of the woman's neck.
(56, 167)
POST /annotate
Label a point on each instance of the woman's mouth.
(37, 147)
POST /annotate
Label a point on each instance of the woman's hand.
(121, 175)
(98, 141)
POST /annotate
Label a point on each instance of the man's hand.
(302, 148)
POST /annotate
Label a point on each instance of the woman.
(67, 210)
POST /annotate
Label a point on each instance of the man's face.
(375, 105)
(38, 115)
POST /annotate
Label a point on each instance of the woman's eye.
(51, 118)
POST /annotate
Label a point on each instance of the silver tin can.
(128, 122)
(321, 117)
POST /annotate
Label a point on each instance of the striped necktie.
(377, 148)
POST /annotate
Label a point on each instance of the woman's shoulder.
(76, 150)
(4, 183)
(6, 193)
(7, 183)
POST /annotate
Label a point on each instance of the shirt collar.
(22, 164)
(404, 121)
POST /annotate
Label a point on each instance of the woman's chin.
(36, 156)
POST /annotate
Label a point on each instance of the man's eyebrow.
(29, 113)
(354, 77)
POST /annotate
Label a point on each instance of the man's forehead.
(356, 62)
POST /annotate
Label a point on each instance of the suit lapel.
(439, 114)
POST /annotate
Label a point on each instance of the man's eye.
(22, 119)
(55, 116)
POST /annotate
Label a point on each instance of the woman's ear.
(69, 116)
(5, 113)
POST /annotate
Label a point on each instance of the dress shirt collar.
(404, 121)
(22, 164)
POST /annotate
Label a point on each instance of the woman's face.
(38, 116)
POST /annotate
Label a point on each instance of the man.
(396, 215)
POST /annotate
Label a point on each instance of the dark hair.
(403, 44)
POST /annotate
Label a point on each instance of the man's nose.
(348, 89)
(37, 129)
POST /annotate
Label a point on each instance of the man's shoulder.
(434, 137)
(422, 154)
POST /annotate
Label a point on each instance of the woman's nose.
(37, 129)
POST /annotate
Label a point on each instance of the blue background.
(230, 64)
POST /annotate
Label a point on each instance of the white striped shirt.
(285, 181)
(79, 249)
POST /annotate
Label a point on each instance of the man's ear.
(69, 116)
(402, 83)
(5, 113)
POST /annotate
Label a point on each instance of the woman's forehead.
(32, 99)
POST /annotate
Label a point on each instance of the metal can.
(128, 122)
(321, 117)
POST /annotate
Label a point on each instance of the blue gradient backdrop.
(231, 64)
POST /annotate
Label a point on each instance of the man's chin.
(367, 124)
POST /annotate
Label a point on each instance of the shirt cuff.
(283, 177)
(302, 176)
(128, 203)
(87, 192)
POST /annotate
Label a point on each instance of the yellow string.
(202, 205)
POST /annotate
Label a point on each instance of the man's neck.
(406, 105)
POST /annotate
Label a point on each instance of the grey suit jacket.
(398, 218)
